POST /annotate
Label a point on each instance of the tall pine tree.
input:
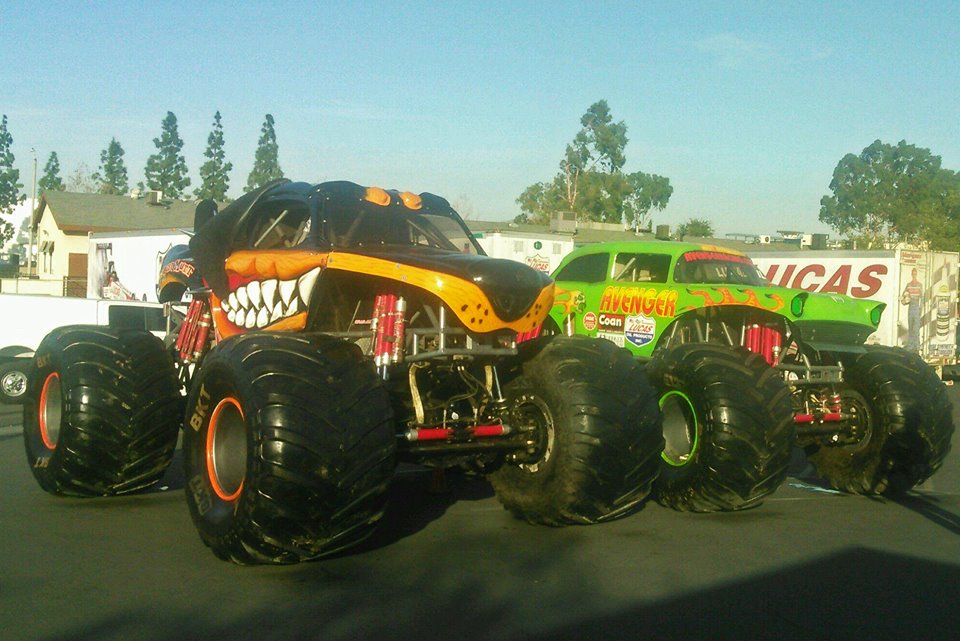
(10, 195)
(166, 170)
(215, 172)
(51, 181)
(112, 175)
(266, 166)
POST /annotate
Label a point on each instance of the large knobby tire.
(905, 425)
(13, 380)
(595, 426)
(102, 411)
(289, 448)
(728, 427)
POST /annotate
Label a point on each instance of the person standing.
(912, 296)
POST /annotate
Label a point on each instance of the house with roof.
(63, 221)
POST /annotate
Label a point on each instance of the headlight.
(796, 305)
(876, 313)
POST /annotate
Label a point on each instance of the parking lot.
(450, 563)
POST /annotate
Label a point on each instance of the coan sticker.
(589, 321)
(616, 339)
(639, 330)
(610, 322)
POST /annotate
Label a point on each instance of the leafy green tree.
(10, 185)
(697, 227)
(166, 170)
(214, 173)
(266, 166)
(51, 181)
(112, 175)
(890, 194)
(591, 182)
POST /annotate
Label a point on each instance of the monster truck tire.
(13, 380)
(289, 448)
(907, 425)
(597, 432)
(102, 411)
(728, 427)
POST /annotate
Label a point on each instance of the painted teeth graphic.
(262, 303)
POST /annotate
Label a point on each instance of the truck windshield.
(398, 227)
(717, 268)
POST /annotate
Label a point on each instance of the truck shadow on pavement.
(856, 593)
(927, 507)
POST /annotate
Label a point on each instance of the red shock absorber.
(192, 338)
(377, 326)
(389, 311)
(203, 331)
(751, 338)
(770, 344)
(764, 340)
(187, 329)
(399, 333)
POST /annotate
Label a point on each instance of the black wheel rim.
(534, 416)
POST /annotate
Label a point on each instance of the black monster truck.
(332, 331)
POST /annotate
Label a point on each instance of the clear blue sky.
(746, 107)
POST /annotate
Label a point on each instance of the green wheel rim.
(681, 430)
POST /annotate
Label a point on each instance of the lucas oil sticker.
(639, 330)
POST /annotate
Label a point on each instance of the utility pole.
(33, 214)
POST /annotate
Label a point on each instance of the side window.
(136, 317)
(591, 268)
(641, 268)
(279, 225)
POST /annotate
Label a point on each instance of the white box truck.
(126, 265)
(919, 288)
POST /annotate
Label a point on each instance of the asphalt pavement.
(810, 564)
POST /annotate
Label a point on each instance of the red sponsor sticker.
(589, 321)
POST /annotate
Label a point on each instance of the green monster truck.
(745, 370)
(332, 331)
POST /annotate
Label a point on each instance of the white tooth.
(263, 317)
(268, 289)
(232, 316)
(287, 288)
(253, 293)
(242, 298)
(251, 319)
(294, 306)
(277, 313)
(224, 306)
(306, 283)
(232, 301)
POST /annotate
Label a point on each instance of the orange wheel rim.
(226, 449)
(50, 411)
